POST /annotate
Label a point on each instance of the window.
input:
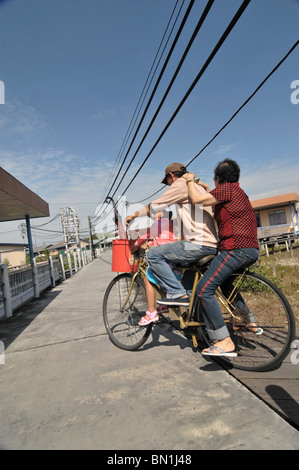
(277, 217)
(258, 220)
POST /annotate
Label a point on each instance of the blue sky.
(73, 74)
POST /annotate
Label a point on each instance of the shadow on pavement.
(11, 328)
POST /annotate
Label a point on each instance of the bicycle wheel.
(123, 306)
(272, 313)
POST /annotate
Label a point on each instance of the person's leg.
(150, 295)
(227, 288)
(181, 252)
(151, 314)
(220, 269)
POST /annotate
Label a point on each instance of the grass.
(282, 268)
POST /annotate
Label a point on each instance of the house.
(277, 216)
(59, 248)
(13, 254)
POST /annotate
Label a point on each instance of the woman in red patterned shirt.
(238, 247)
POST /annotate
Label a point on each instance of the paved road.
(65, 386)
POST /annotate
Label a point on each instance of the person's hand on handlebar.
(129, 218)
(141, 213)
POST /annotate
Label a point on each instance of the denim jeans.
(181, 252)
(225, 263)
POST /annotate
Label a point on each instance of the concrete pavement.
(65, 386)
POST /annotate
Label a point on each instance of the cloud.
(20, 120)
(280, 177)
(62, 179)
(223, 149)
(56, 175)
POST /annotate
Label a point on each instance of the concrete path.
(65, 386)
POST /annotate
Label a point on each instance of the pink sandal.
(149, 318)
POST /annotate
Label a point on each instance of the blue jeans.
(225, 263)
(182, 252)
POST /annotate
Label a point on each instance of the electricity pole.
(90, 238)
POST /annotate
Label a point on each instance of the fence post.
(6, 291)
(68, 255)
(35, 278)
(75, 261)
(62, 267)
(53, 284)
(79, 258)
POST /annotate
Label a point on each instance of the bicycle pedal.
(194, 340)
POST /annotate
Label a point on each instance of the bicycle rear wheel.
(272, 313)
(123, 306)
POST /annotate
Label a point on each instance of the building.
(277, 216)
(13, 254)
(59, 248)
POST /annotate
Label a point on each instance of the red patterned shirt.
(237, 227)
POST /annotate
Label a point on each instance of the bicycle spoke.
(124, 305)
(267, 308)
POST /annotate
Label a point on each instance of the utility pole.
(64, 223)
(90, 238)
(67, 220)
(76, 222)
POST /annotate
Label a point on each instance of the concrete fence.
(19, 285)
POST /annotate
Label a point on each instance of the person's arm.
(206, 199)
(145, 211)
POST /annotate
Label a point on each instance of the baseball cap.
(171, 168)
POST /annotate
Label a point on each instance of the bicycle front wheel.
(258, 299)
(124, 305)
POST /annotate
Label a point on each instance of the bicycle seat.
(204, 260)
(199, 263)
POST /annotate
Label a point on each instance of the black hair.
(227, 171)
(179, 174)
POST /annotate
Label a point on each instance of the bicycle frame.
(226, 302)
(140, 272)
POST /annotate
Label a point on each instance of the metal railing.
(274, 230)
(23, 283)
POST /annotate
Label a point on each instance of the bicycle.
(125, 303)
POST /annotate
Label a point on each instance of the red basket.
(123, 261)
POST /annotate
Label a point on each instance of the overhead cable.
(97, 217)
(247, 101)
(208, 61)
(154, 90)
(144, 93)
(235, 113)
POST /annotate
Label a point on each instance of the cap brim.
(164, 181)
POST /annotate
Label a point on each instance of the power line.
(219, 44)
(131, 125)
(196, 31)
(151, 97)
(195, 81)
(154, 90)
(236, 112)
(46, 223)
(247, 101)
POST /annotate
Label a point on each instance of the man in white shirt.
(197, 234)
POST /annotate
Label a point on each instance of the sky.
(73, 74)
